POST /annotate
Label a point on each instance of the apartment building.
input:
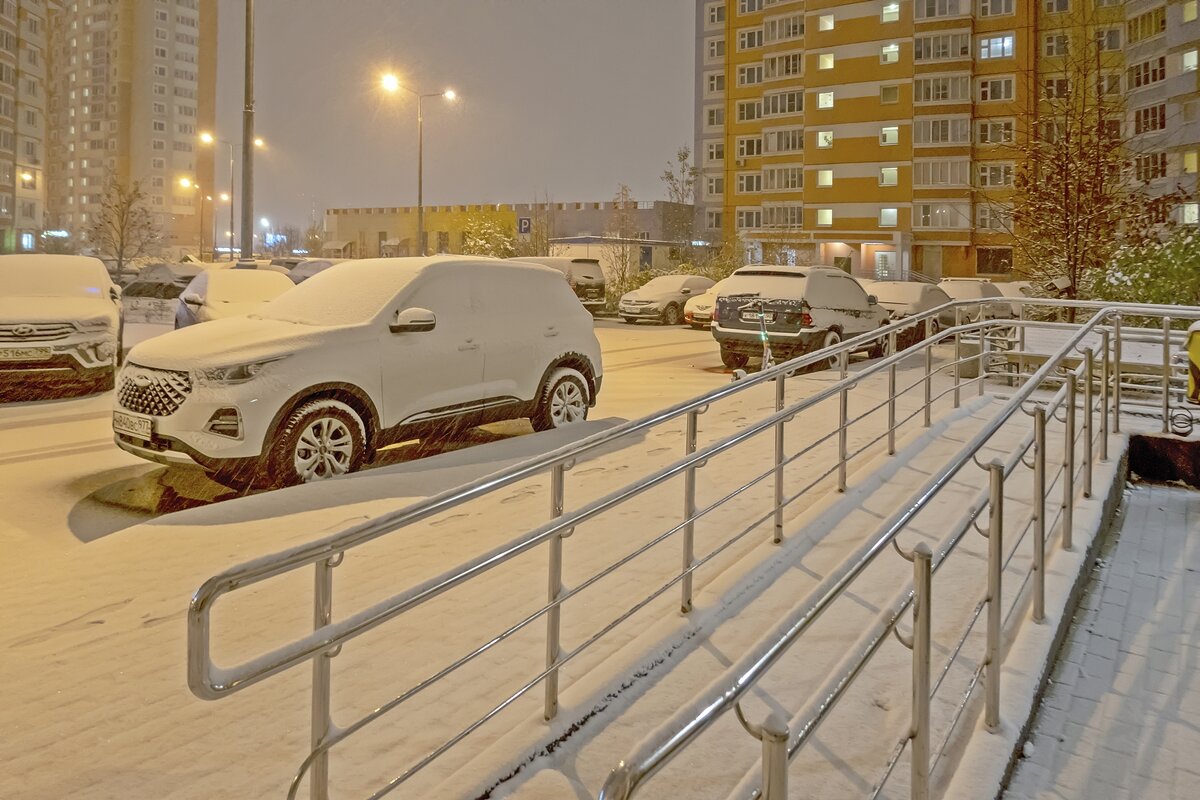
(22, 124)
(132, 83)
(877, 136)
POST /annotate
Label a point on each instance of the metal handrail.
(725, 693)
(211, 682)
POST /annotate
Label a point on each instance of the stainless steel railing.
(785, 741)
(324, 643)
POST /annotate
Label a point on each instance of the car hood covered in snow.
(238, 340)
(55, 309)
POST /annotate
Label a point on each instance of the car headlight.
(95, 324)
(233, 374)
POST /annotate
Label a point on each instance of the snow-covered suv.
(60, 320)
(364, 354)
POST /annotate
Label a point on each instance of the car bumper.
(640, 311)
(170, 458)
(750, 342)
(697, 317)
(80, 359)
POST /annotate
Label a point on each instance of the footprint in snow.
(515, 496)
(450, 518)
(79, 623)
(588, 471)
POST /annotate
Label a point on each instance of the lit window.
(825, 21)
(889, 53)
(889, 135)
(1189, 216)
(891, 12)
(1191, 161)
(825, 61)
(888, 176)
(824, 138)
(824, 99)
(27, 239)
(1189, 11)
(887, 217)
(1190, 60)
(825, 215)
(824, 177)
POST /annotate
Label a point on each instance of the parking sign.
(524, 224)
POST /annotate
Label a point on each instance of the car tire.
(563, 400)
(319, 440)
(832, 337)
(699, 326)
(881, 348)
(733, 359)
(628, 320)
(670, 315)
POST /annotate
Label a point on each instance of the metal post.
(995, 573)
(774, 738)
(689, 511)
(1068, 515)
(921, 638)
(1116, 374)
(322, 721)
(231, 201)
(985, 349)
(248, 140)
(928, 385)
(957, 352)
(1166, 375)
(1039, 514)
(891, 436)
(1021, 344)
(843, 415)
(553, 591)
(200, 193)
(420, 178)
(778, 535)
(1089, 360)
(1104, 388)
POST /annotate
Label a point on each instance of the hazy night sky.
(569, 97)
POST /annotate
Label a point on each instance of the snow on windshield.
(54, 278)
(666, 283)
(765, 285)
(896, 291)
(351, 294)
(246, 286)
(969, 290)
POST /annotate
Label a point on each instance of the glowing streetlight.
(390, 83)
(187, 183)
(207, 138)
(266, 223)
(225, 197)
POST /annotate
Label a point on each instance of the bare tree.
(542, 229)
(679, 220)
(124, 229)
(314, 239)
(622, 256)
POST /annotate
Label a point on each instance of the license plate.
(24, 353)
(133, 426)
(752, 316)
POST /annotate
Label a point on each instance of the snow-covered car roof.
(240, 285)
(46, 275)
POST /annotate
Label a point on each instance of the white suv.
(364, 354)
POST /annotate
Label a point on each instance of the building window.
(993, 175)
(788, 140)
(716, 49)
(715, 186)
(991, 218)
(712, 220)
(749, 218)
(1108, 84)
(1108, 39)
(788, 65)
(715, 151)
(993, 260)
(781, 103)
(749, 146)
(782, 179)
(890, 13)
(824, 216)
(888, 176)
(942, 88)
(824, 139)
(942, 172)
(889, 134)
(782, 29)
(1150, 118)
(941, 130)
(750, 74)
(1189, 11)
(1057, 6)
(825, 61)
(716, 14)
(1189, 214)
(888, 217)
(995, 89)
(748, 110)
(1149, 166)
(750, 39)
(714, 117)
(940, 215)
(1056, 44)
(825, 21)
(1056, 88)
(716, 82)
(783, 216)
(941, 46)
(1191, 162)
(995, 8)
(824, 99)
(1147, 72)
(1190, 60)
(824, 177)
(929, 9)
(749, 182)
(749, 6)
(27, 240)
(1000, 46)
(1144, 26)
(889, 53)
(995, 131)
(889, 94)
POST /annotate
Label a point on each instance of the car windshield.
(765, 284)
(966, 290)
(59, 279)
(665, 283)
(337, 297)
(246, 286)
(898, 292)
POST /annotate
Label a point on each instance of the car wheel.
(733, 359)
(832, 338)
(670, 315)
(880, 349)
(321, 439)
(563, 401)
(628, 320)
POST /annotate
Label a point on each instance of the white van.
(800, 309)
(366, 354)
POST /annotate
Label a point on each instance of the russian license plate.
(24, 353)
(133, 426)
(752, 316)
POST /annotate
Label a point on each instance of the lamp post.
(188, 183)
(208, 139)
(392, 84)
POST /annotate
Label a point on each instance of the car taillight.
(806, 320)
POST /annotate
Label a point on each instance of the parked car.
(977, 289)
(909, 298)
(309, 267)
(1015, 289)
(374, 352)
(228, 293)
(698, 310)
(584, 275)
(60, 320)
(801, 309)
(661, 299)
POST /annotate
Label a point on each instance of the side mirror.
(413, 320)
(191, 299)
(685, 291)
(114, 292)
(872, 300)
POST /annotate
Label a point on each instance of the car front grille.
(35, 331)
(157, 392)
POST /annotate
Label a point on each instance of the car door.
(435, 374)
(849, 301)
(525, 307)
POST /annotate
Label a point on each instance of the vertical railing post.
(1068, 515)
(1039, 514)
(777, 537)
(553, 592)
(774, 739)
(322, 721)
(985, 349)
(689, 511)
(1166, 375)
(1104, 389)
(843, 416)
(1021, 344)
(891, 437)
(1116, 374)
(994, 614)
(958, 351)
(928, 385)
(1089, 363)
(921, 639)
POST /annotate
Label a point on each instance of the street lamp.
(208, 139)
(188, 183)
(392, 84)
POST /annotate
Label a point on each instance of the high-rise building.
(22, 124)
(132, 83)
(878, 136)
